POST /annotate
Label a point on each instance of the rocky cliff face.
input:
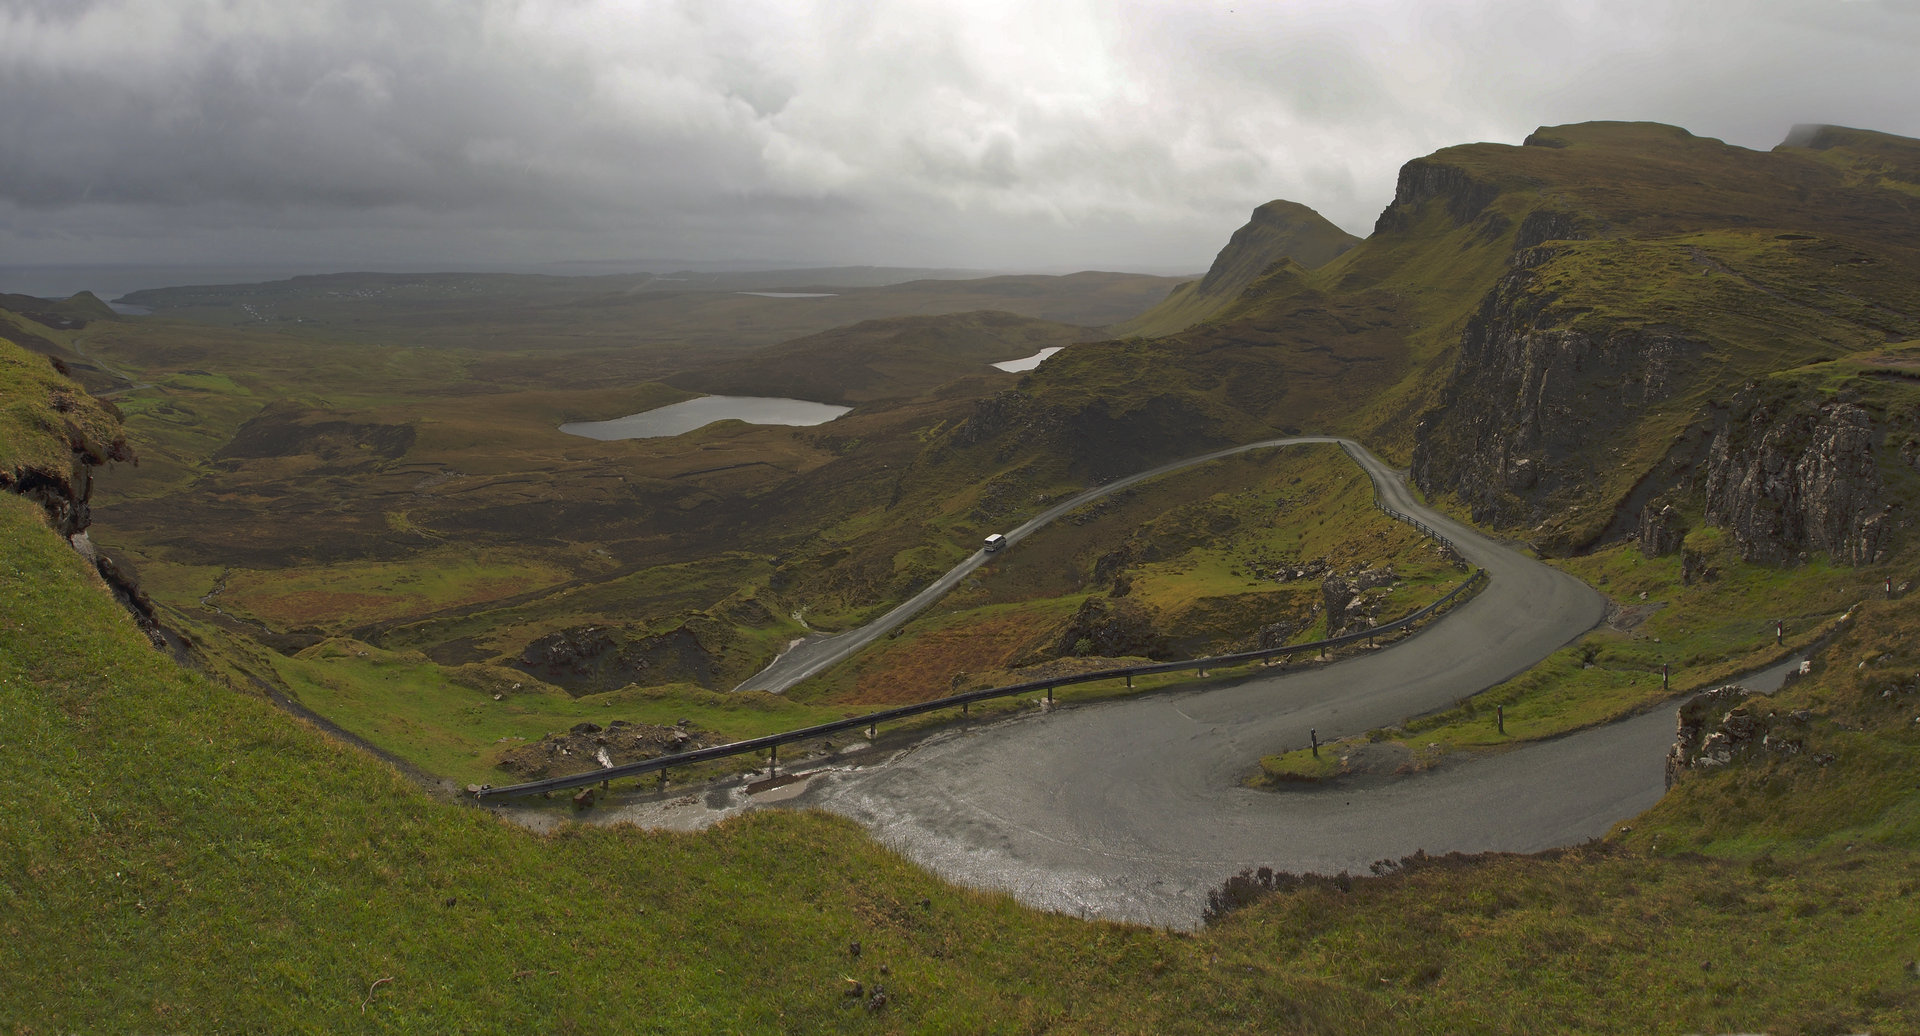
(1529, 401)
(1423, 180)
(1792, 476)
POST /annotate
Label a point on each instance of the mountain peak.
(1279, 231)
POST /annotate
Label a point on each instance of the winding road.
(1132, 809)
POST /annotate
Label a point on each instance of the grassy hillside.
(1194, 564)
(896, 358)
(185, 857)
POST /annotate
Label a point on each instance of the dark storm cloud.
(990, 133)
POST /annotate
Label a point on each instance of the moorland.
(1682, 371)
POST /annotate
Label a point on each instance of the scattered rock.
(1348, 604)
(588, 746)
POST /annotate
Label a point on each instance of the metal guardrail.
(870, 722)
(1380, 505)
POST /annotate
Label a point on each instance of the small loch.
(679, 418)
(1027, 363)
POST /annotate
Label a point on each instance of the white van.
(995, 542)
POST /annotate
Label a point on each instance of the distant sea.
(111, 280)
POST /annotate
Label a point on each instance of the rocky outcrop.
(1661, 531)
(1718, 726)
(1789, 476)
(1111, 628)
(1349, 606)
(1531, 407)
(591, 659)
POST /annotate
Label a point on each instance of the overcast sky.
(1030, 134)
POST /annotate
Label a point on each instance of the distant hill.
(1279, 231)
(45, 326)
(685, 319)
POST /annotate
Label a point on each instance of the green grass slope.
(184, 858)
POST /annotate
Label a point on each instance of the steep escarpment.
(1531, 397)
(52, 435)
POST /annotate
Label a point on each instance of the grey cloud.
(905, 131)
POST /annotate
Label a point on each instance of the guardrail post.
(1050, 690)
(1129, 681)
(1315, 735)
(963, 710)
(773, 760)
(663, 778)
(872, 730)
